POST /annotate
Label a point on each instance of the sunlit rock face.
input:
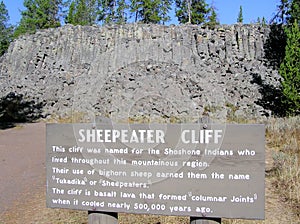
(136, 70)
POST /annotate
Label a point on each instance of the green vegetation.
(288, 22)
(39, 14)
(5, 29)
(146, 11)
(191, 11)
(240, 18)
(212, 18)
(294, 12)
(290, 70)
(43, 14)
(82, 12)
(262, 21)
(288, 11)
(113, 11)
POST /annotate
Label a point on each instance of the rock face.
(141, 70)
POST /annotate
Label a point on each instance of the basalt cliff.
(136, 70)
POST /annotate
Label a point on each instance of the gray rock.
(140, 70)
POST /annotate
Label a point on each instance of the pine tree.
(283, 9)
(70, 19)
(82, 12)
(191, 11)
(81, 16)
(240, 18)
(263, 22)
(121, 16)
(135, 9)
(5, 29)
(212, 18)
(107, 11)
(290, 70)
(294, 11)
(288, 11)
(148, 11)
(165, 7)
(113, 11)
(39, 14)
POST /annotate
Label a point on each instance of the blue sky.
(227, 10)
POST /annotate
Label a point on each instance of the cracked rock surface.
(141, 70)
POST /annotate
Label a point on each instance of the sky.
(227, 10)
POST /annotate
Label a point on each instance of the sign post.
(197, 220)
(102, 217)
(164, 169)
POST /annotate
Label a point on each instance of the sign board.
(169, 169)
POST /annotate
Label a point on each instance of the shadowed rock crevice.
(275, 46)
(14, 108)
(271, 96)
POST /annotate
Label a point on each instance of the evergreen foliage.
(288, 12)
(82, 12)
(191, 11)
(212, 18)
(5, 29)
(294, 12)
(39, 14)
(150, 11)
(71, 14)
(290, 70)
(288, 17)
(112, 11)
(240, 18)
(165, 6)
(283, 10)
(263, 22)
(121, 16)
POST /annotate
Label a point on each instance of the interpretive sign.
(213, 170)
